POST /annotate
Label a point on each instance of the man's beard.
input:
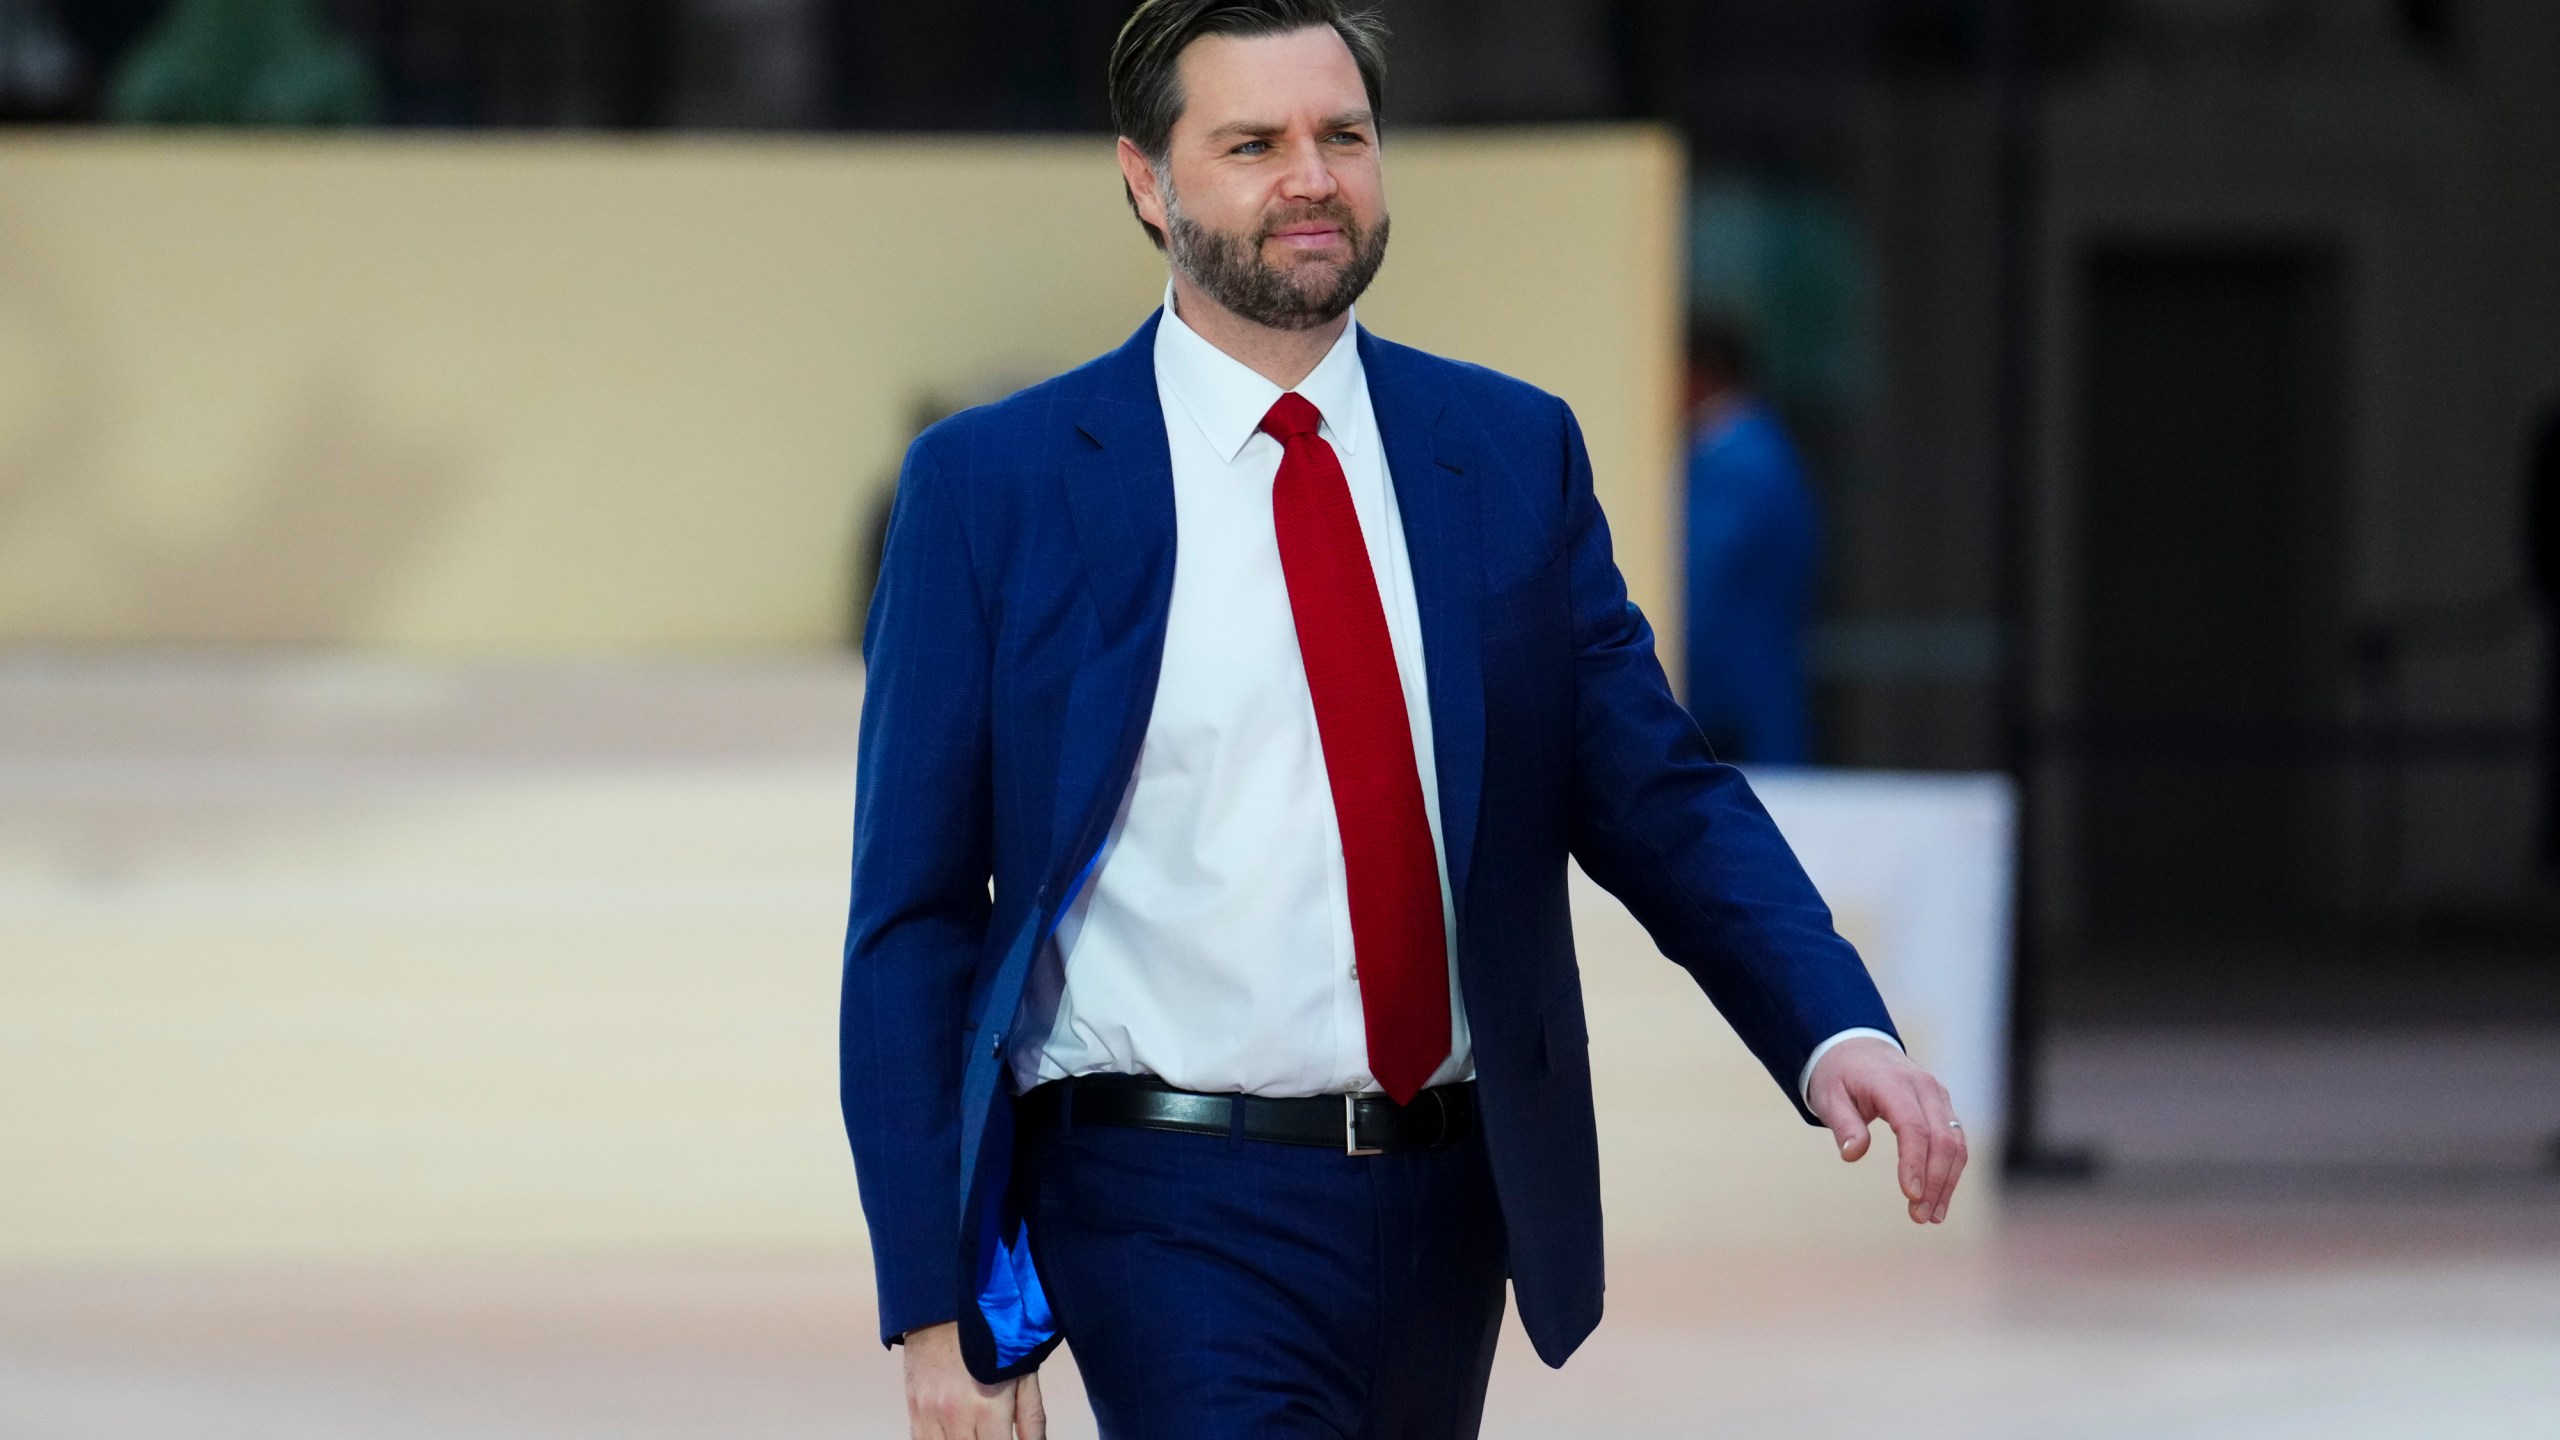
(1301, 297)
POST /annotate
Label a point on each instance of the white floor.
(316, 958)
(221, 876)
(2165, 1320)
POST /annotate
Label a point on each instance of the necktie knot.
(1291, 416)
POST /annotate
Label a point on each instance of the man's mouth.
(1310, 236)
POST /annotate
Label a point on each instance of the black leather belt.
(1359, 1124)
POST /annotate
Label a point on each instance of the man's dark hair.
(1718, 346)
(1146, 81)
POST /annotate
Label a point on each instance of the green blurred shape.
(244, 62)
(1788, 261)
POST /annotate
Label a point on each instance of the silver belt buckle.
(1351, 1128)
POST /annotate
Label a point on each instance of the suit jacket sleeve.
(921, 857)
(1681, 839)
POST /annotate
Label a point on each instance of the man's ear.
(1145, 196)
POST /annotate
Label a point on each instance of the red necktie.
(1397, 940)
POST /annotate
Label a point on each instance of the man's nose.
(1308, 177)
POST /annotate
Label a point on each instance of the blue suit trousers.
(1223, 1287)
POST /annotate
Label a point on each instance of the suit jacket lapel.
(1119, 480)
(1441, 532)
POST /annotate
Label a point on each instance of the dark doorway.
(2209, 625)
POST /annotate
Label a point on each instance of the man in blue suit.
(1754, 547)
(1235, 702)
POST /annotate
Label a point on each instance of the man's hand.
(1864, 1080)
(946, 1402)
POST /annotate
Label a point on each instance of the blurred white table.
(1918, 870)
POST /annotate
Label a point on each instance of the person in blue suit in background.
(1754, 549)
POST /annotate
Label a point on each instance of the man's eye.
(1350, 137)
(1251, 147)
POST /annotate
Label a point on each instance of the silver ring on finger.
(1955, 1124)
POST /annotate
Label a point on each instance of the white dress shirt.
(1211, 946)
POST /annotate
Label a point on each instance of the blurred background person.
(1754, 551)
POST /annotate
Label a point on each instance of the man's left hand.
(1864, 1080)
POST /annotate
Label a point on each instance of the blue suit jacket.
(1013, 648)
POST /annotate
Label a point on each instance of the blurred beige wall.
(474, 396)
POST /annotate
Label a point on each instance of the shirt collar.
(1227, 399)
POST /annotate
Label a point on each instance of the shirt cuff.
(1804, 1078)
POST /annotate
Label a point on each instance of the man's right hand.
(946, 1402)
